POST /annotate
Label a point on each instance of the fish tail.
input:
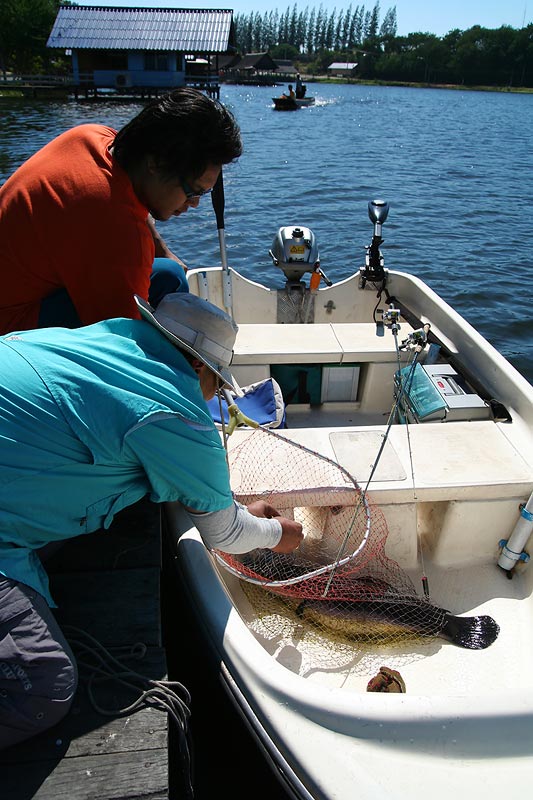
(474, 633)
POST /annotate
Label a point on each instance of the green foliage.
(25, 26)
(478, 56)
(285, 52)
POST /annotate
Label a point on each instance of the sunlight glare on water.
(455, 166)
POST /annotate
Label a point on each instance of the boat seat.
(364, 342)
(322, 343)
(464, 473)
(451, 461)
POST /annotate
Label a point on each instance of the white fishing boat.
(380, 376)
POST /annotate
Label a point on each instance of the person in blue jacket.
(91, 421)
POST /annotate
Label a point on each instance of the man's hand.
(291, 535)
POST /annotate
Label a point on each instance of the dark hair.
(184, 131)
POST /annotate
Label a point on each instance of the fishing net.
(342, 557)
(339, 580)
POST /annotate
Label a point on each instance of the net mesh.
(339, 580)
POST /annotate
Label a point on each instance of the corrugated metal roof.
(180, 29)
(343, 65)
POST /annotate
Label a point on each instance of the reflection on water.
(455, 166)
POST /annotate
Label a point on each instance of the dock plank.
(135, 776)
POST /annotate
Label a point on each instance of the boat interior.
(450, 487)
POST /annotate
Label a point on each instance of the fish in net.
(339, 580)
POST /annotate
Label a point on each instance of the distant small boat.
(284, 103)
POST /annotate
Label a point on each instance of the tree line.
(312, 30)
(315, 38)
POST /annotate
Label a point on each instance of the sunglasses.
(190, 194)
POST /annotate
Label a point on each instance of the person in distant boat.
(91, 421)
(291, 94)
(77, 231)
(300, 88)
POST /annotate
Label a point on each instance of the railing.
(35, 80)
(85, 82)
(87, 78)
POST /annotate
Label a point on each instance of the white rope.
(96, 664)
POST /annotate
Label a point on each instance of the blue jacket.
(91, 420)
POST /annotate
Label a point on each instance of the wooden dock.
(57, 87)
(108, 585)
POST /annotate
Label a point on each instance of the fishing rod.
(218, 200)
(415, 341)
(374, 272)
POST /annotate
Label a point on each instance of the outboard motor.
(373, 270)
(295, 251)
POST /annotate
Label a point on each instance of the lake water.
(455, 166)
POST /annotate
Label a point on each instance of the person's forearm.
(161, 249)
(235, 530)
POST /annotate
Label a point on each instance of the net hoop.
(362, 506)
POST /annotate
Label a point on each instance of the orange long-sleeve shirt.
(69, 218)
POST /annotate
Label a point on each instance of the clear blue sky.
(433, 16)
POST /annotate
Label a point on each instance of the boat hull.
(324, 740)
(292, 104)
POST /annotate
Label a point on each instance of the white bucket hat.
(197, 326)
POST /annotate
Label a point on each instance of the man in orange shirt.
(77, 231)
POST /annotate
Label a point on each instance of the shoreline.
(318, 79)
(417, 85)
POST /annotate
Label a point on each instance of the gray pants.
(38, 674)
